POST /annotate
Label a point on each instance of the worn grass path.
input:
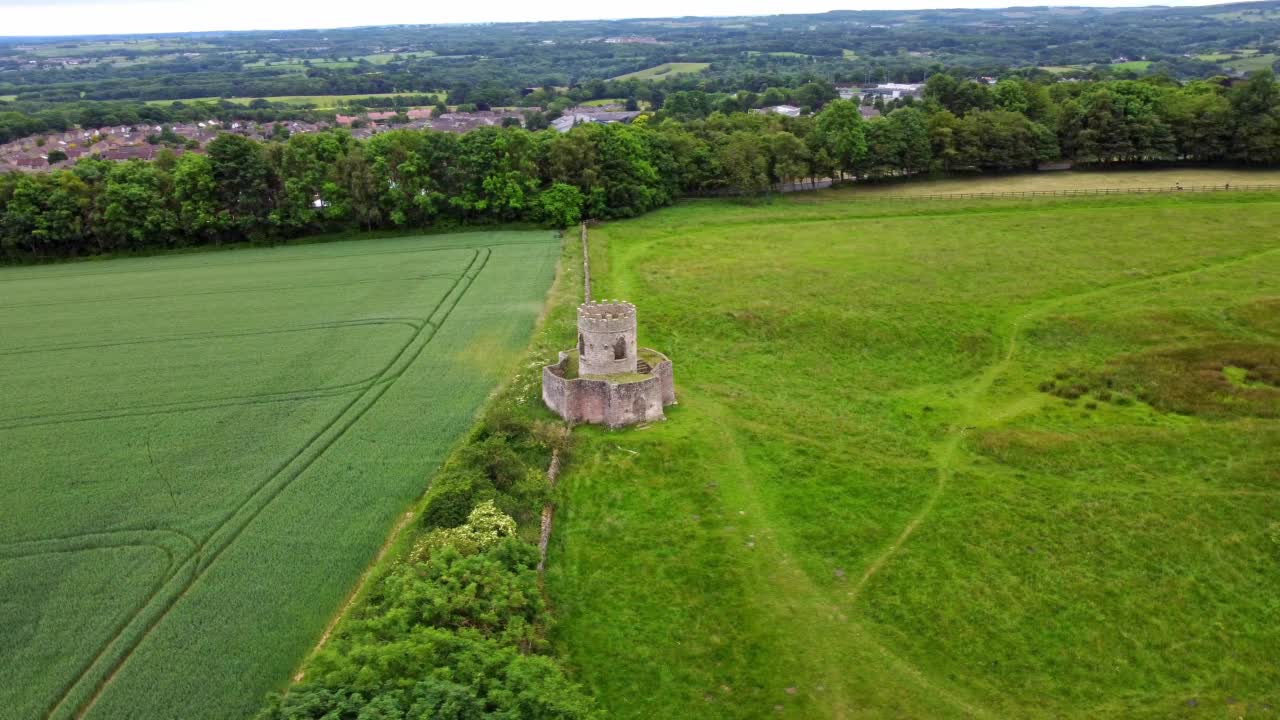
(790, 547)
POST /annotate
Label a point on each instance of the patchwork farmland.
(218, 444)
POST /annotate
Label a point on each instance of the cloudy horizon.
(34, 18)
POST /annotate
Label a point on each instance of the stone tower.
(607, 338)
(606, 379)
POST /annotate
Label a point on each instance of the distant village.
(144, 142)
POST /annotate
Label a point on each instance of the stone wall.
(602, 402)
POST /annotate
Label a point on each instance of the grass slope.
(939, 459)
(202, 452)
(665, 70)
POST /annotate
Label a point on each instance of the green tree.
(839, 132)
(788, 158)
(1255, 106)
(196, 195)
(135, 209)
(242, 182)
(561, 205)
(744, 161)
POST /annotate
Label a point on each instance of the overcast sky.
(83, 17)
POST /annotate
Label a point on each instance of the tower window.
(582, 346)
(620, 349)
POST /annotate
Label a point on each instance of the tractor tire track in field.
(96, 540)
(275, 396)
(136, 538)
(414, 323)
(233, 291)
(263, 261)
(202, 266)
(119, 648)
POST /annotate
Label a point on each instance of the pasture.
(202, 452)
(1253, 63)
(937, 459)
(1134, 65)
(1059, 180)
(666, 70)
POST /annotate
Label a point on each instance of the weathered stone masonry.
(616, 383)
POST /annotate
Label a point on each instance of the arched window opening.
(620, 349)
(582, 346)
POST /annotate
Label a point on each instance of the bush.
(486, 526)
(494, 458)
(561, 205)
(451, 636)
(451, 497)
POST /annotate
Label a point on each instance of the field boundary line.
(203, 561)
(203, 293)
(279, 395)
(413, 323)
(214, 405)
(209, 265)
(948, 449)
(350, 600)
(211, 252)
(83, 537)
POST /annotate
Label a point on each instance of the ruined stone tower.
(606, 338)
(607, 379)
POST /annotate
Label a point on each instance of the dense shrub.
(448, 635)
(452, 495)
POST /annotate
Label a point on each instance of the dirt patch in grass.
(1223, 380)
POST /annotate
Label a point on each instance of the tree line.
(240, 189)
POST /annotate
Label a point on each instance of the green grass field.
(937, 459)
(202, 452)
(665, 70)
(1063, 180)
(1253, 63)
(1135, 65)
(1214, 57)
(81, 48)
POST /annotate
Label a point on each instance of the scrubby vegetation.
(456, 629)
